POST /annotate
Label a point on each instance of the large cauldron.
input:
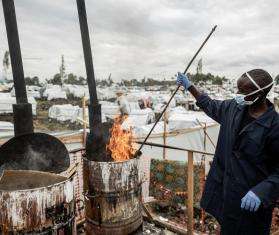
(33, 202)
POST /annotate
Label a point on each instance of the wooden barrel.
(33, 202)
(112, 197)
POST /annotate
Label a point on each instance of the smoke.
(31, 160)
(37, 151)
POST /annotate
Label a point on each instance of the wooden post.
(190, 194)
(203, 178)
(84, 119)
(164, 135)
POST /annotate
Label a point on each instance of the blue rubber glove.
(183, 80)
(250, 202)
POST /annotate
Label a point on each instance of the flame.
(121, 143)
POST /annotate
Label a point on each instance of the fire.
(121, 143)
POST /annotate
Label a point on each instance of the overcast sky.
(135, 38)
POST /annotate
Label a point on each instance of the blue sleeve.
(268, 189)
(216, 109)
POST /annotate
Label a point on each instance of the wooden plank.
(73, 138)
(147, 212)
(165, 224)
(190, 189)
(84, 118)
(164, 135)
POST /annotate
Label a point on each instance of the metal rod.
(14, 49)
(165, 108)
(173, 147)
(95, 143)
(87, 51)
(205, 133)
(22, 110)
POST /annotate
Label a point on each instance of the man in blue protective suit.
(242, 185)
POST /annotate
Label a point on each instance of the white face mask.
(240, 99)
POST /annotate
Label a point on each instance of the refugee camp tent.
(7, 101)
(53, 92)
(65, 112)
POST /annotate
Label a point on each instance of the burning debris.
(120, 146)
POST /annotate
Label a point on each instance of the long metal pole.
(173, 147)
(87, 51)
(185, 71)
(95, 143)
(23, 119)
(14, 49)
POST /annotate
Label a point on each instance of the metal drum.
(33, 202)
(112, 197)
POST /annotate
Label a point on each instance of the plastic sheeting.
(139, 117)
(178, 119)
(142, 131)
(6, 126)
(54, 92)
(6, 103)
(77, 91)
(65, 112)
(109, 110)
(32, 91)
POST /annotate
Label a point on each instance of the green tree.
(82, 80)
(276, 80)
(71, 79)
(56, 80)
(74, 80)
(32, 81)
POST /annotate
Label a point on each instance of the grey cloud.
(133, 38)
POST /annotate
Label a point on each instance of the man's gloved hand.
(250, 202)
(182, 80)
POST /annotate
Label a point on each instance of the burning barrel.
(33, 202)
(113, 199)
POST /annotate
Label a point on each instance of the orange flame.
(120, 144)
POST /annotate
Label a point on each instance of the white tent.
(6, 126)
(7, 101)
(178, 119)
(65, 112)
(77, 91)
(139, 117)
(54, 92)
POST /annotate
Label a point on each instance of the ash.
(148, 229)
(151, 229)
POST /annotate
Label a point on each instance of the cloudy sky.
(135, 38)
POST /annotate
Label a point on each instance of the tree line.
(62, 78)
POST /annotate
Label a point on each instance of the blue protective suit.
(244, 160)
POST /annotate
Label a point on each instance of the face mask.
(240, 99)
